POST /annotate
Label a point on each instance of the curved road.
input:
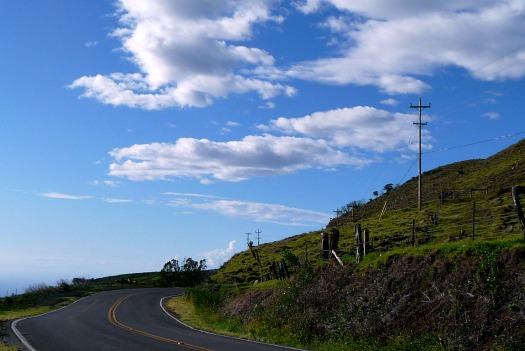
(131, 319)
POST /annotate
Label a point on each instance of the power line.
(453, 108)
(499, 58)
(408, 170)
(475, 143)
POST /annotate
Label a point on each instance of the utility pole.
(258, 236)
(419, 125)
(337, 212)
(248, 238)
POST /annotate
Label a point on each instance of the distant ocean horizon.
(13, 286)
(10, 285)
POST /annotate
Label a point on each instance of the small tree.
(351, 206)
(170, 272)
(190, 273)
(172, 266)
(193, 272)
(63, 285)
(79, 282)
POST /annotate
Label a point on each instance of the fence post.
(325, 245)
(473, 218)
(358, 243)
(366, 241)
(413, 232)
(516, 191)
(334, 239)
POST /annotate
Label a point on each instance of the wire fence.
(457, 215)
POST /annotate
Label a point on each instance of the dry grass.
(186, 313)
(12, 315)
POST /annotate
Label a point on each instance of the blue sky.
(133, 132)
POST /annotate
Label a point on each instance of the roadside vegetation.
(37, 299)
(448, 277)
(8, 348)
(455, 296)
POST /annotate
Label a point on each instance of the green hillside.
(461, 201)
(448, 277)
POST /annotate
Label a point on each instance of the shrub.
(205, 297)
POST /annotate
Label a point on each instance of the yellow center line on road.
(112, 316)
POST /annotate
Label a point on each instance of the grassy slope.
(472, 288)
(448, 296)
(496, 214)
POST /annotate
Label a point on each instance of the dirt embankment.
(471, 301)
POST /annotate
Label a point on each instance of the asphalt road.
(131, 319)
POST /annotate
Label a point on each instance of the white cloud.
(361, 127)
(323, 140)
(206, 160)
(197, 91)
(262, 212)
(233, 124)
(112, 200)
(109, 183)
(337, 24)
(386, 9)
(55, 195)
(217, 257)
(180, 202)
(256, 211)
(390, 102)
(191, 195)
(492, 115)
(189, 53)
(229, 125)
(185, 53)
(308, 6)
(395, 44)
(269, 105)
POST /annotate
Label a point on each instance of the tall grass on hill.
(450, 296)
(448, 277)
(453, 210)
